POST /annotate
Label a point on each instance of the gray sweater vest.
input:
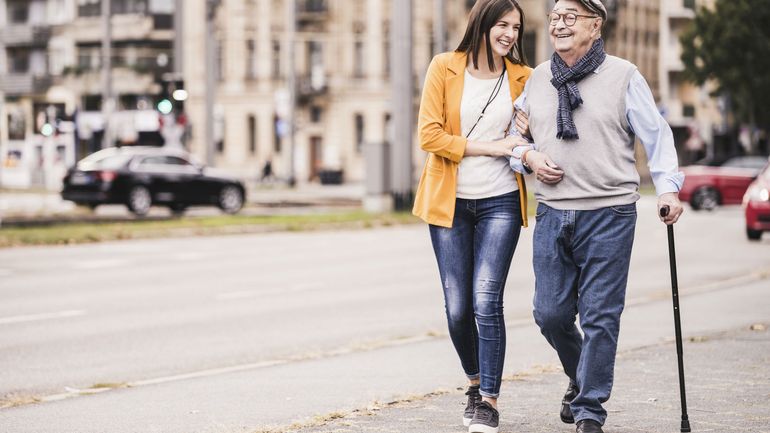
(599, 167)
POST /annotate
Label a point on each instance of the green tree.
(730, 44)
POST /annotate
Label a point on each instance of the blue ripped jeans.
(474, 257)
(581, 260)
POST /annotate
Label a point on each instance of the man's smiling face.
(574, 41)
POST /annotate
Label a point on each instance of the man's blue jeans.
(581, 261)
(474, 257)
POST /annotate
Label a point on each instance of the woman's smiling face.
(504, 34)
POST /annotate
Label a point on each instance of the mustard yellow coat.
(440, 135)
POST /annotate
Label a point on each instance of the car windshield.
(104, 161)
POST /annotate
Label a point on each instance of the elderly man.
(585, 109)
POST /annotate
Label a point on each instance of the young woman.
(473, 202)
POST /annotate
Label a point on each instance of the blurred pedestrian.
(585, 109)
(473, 202)
(267, 171)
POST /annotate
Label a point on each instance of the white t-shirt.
(485, 176)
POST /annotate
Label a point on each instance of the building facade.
(51, 57)
(342, 63)
(693, 114)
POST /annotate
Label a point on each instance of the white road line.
(41, 317)
(99, 264)
(73, 392)
(183, 257)
(245, 294)
(237, 295)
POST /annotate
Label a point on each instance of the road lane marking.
(41, 317)
(99, 264)
(246, 294)
(725, 284)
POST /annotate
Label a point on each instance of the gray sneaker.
(485, 420)
(474, 398)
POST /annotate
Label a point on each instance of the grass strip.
(78, 233)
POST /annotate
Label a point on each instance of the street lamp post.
(291, 79)
(211, 9)
(107, 99)
(403, 103)
(439, 26)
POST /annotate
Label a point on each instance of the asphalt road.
(225, 325)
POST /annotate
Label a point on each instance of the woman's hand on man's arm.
(503, 147)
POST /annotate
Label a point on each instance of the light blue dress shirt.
(647, 123)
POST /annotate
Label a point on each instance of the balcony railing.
(24, 84)
(27, 35)
(311, 11)
(312, 6)
(309, 87)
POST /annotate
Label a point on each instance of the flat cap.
(595, 6)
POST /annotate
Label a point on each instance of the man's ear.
(596, 28)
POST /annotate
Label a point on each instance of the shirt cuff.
(516, 163)
(665, 184)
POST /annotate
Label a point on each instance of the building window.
(277, 134)
(251, 59)
(139, 7)
(689, 4)
(388, 132)
(688, 110)
(359, 120)
(18, 61)
(312, 6)
(530, 47)
(386, 57)
(18, 12)
(89, 8)
(252, 134)
(17, 125)
(220, 50)
(315, 61)
(358, 59)
(91, 102)
(315, 113)
(276, 70)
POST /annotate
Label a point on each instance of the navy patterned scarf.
(565, 80)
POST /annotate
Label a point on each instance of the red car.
(756, 204)
(706, 187)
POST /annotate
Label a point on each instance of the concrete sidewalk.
(728, 390)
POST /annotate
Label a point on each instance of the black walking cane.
(677, 321)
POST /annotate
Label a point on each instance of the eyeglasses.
(569, 18)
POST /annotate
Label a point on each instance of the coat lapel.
(454, 84)
(514, 79)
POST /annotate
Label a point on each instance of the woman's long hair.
(484, 15)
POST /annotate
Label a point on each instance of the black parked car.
(140, 177)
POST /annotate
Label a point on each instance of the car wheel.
(753, 235)
(230, 199)
(705, 198)
(177, 209)
(139, 200)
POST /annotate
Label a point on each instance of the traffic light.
(165, 106)
(172, 94)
